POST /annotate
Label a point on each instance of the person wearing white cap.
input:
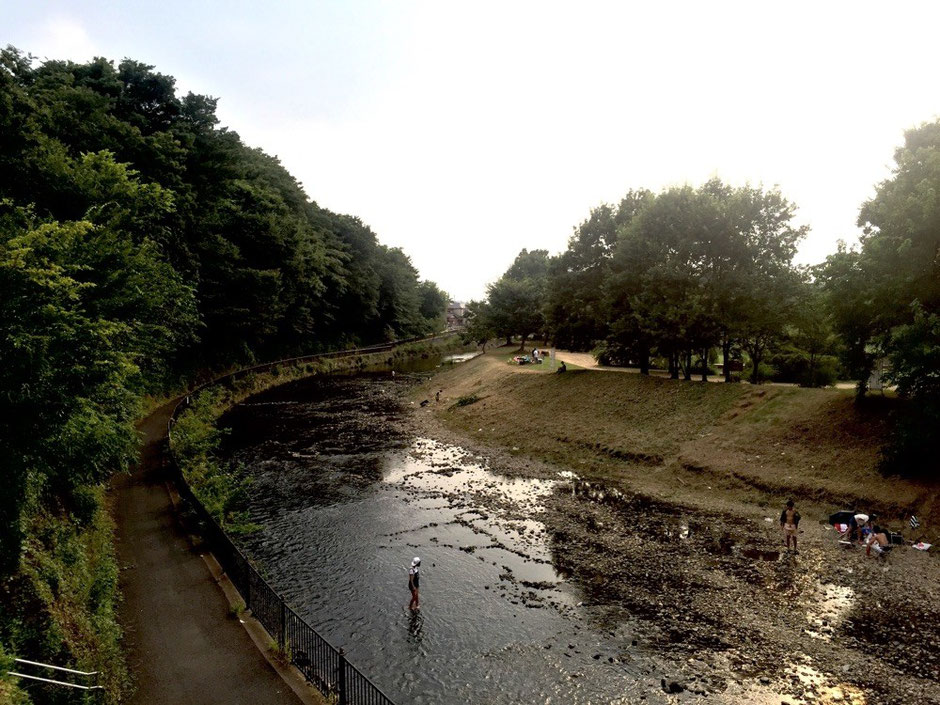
(857, 524)
(413, 579)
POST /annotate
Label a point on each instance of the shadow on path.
(183, 645)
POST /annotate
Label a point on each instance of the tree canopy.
(885, 295)
(687, 276)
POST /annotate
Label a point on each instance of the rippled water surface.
(346, 502)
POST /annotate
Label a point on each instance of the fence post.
(283, 626)
(341, 683)
(247, 574)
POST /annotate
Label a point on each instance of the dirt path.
(587, 361)
(182, 643)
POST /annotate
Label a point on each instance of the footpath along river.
(346, 499)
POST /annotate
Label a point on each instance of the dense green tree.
(273, 273)
(140, 243)
(515, 308)
(895, 280)
(577, 309)
(432, 307)
(772, 304)
(852, 310)
(69, 371)
(532, 265)
(690, 271)
(516, 300)
(478, 324)
(813, 340)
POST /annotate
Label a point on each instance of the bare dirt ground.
(673, 517)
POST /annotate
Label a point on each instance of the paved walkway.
(183, 646)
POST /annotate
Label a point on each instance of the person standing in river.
(413, 579)
(790, 523)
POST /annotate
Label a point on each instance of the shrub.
(467, 400)
(196, 441)
(795, 366)
(613, 354)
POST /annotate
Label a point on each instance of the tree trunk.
(645, 361)
(687, 371)
(756, 357)
(726, 356)
(704, 364)
(861, 388)
(673, 365)
(522, 343)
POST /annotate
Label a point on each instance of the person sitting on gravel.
(875, 538)
(789, 524)
(877, 541)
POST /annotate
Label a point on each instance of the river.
(346, 499)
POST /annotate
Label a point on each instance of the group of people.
(860, 528)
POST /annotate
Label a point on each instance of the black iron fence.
(320, 662)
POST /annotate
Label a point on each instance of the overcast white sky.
(464, 132)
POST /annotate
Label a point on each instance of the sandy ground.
(705, 580)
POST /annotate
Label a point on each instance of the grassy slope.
(688, 441)
(63, 602)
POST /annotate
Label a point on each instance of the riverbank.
(674, 518)
(684, 442)
(196, 438)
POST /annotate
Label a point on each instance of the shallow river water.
(345, 503)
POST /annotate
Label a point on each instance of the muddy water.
(346, 501)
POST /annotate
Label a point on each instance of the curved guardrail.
(320, 662)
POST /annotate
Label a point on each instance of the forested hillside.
(141, 244)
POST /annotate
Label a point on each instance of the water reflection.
(415, 627)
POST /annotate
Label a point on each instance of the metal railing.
(319, 661)
(51, 681)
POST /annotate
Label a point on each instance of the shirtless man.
(789, 524)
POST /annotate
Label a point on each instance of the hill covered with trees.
(142, 244)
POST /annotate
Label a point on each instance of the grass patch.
(466, 400)
(60, 607)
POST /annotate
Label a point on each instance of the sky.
(466, 131)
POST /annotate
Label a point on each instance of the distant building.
(456, 313)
